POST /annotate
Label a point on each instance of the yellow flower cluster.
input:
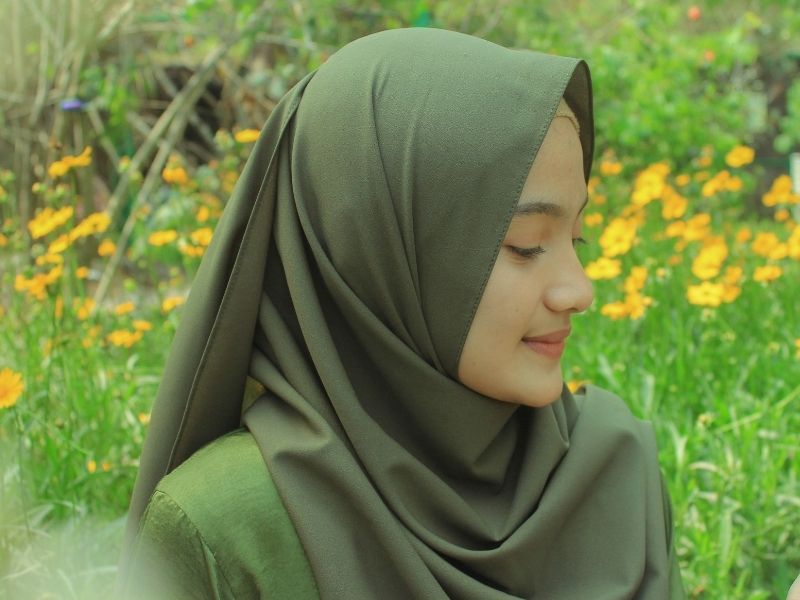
(780, 192)
(618, 237)
(11, 387)
(709, 293)
(721, 182)
(767, 273)
(175, 175)
(708, 261)
(171, 302)
(36, 286)
(62, 167)
(48, 220)
(650, 184)
(603, 268)
(160, 238)
(740, 156)
(673, 205)
(635, 303)
(201, 238)
(124, 338)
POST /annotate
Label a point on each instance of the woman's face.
(533, 296)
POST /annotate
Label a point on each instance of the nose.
(571, 290)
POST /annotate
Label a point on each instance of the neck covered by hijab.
(343, 278)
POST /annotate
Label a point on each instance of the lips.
(551, 344)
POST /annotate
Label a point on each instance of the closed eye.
(527, 252)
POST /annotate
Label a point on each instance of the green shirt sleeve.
(171, 559)
(216, 528)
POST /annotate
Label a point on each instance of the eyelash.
(531, 252)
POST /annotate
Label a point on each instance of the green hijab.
(343, 277)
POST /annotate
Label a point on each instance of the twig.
(173, 122)
(202, 128)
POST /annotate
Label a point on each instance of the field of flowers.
(695, 324)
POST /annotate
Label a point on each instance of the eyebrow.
(543, 207)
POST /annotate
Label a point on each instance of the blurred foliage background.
(134, 118)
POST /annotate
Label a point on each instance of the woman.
(396, 273)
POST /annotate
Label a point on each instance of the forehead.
(556, 176)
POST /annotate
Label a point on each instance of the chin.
(547, 392)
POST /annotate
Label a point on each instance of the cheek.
(508, 300)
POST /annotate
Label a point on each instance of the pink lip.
(551, 344)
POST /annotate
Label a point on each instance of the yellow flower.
(3, 241)
(94, 223)
(159, 238)
(106, 248)
(170, 303)
(673, 205)
(47, 219)
(764, 243)
(82, 272)
(91, 466)
(743, 235)
(683, 179)
(635, 280)
(11, 387)
(49, 259)
(703, 161)
(705, 294)
(202, 236)
(710, 258)
(767, 273)
(58, 245)
(175, 175)
(62, 167)
(190, 250)
(144, 418)
(106, 466)
(740, 156)
(615, 310)
(610, 167)
(123, 337)
(246, 136)
(618, 237)
(593, 219)
(733, 275)
(576, 384)
(603, 268)
(782, 215)
(697, 227)
(141, 325)
(650, 184)
(203, 214)
(84, 308)
(57, 169)
(124, 308)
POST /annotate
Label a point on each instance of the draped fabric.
(343, 278)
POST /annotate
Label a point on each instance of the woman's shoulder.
(225, 494)
(229, 467)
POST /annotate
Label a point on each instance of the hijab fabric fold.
(343, 277)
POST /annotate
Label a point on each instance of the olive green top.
(343, 277)
(216, 528)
